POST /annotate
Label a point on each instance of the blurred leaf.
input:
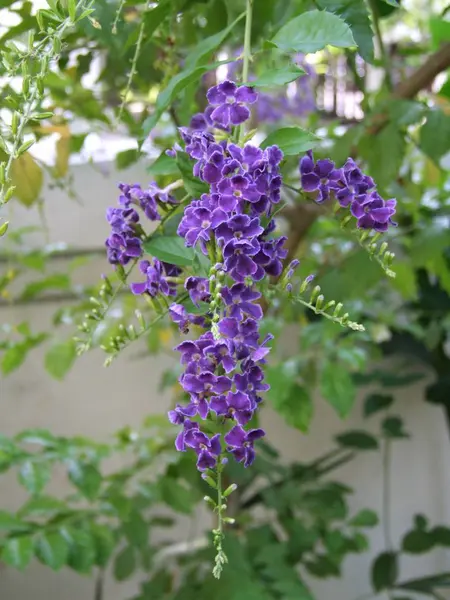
(136, 529)
(356, 15)
(86, 478)
(81, 549)
(34, 475)
(441, 535)
(365, 518)
(37, 436)
(291, 140)
(322, 566)
(104, 543)
(163, 165)
(27, 177)
(426, 585)
(207, 46)
(440, 31)
(170, 249)
(9, 522)
(58, 281)
(63, 148)
(43, 505)
(417, 542)
(281, 76)
(337, 388)
(60, 358)
(393, 428)
(125, 563)
(177, 496)
(127, 157)
(18, 552)
(312, 31)
(52, 549)
(359, 440)
(384, 166)
(435, 135)
(376, 402)
(384, 571)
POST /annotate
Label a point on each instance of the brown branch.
(424, 76)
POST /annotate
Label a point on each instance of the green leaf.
(125, 563)
(440, 31)
(9, 522)
(291, 140)
(384, 571)
(360, 440)
(136, 529)
(127, 157)
(356, 15)
(43, 505)
(313, 31)
(426, 585)
(34, 476)
(365, 518)
(376, 402)
(337, 388)
(163, 165)
(86, 478)
(18, 552)
(13, 358)
(435, 135)
(384, 166)
(194, 186)
(104, 543)
(170, 249)
(417, 542)
(60, 358)
(58, 281)
(52, 549)
(206, 47)
(42, 437)
(281, 76)
(177, 496)
(281, 379)
(28, 179)
(441, 535)
(82, 551)
(171, 92)
(296, 406)
(393, 428)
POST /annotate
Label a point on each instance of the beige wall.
(95, 401)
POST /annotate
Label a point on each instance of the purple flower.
(189, 428)
(236, 405)
(321, 177)
(155, 281)
(229, 102)
(205, 383)
(372, 212)
(238, 258)
(239, 227)
(221, 352)
(198, 223)
(198, 288)
(234, 189)
(207, 449)
(241, 443)
(354, 183)
(241, 301)
(183, 319)
(122, 247)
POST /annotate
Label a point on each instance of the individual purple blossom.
(221, 353)
(236, 405)
(241, 443)
(241, 301)
(205, 383)
(207, 449)
(198, 223)
(321, 177)
(155, 282)
(372, 212)
(229, 102)
(238, 255)
(122, 247)
(198, 288)
(239, 227)
(353, 183)
(183, 319)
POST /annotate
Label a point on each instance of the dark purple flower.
(239, 227)
(236, 405)
(221, 352)
(238, 258)
(241, 301)
(155, 279)
(205, 383)
(229, 102)
(198, 288)
(321, 176)
(241, 442)
(188, 429)
(234, 190)
(373, 212)
(207, 449)
(354, 183)
(198, 224)
(183, 319)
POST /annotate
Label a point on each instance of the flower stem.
(247, 53)
(381, 45)
(221, 557)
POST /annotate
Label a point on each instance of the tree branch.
(424, 76)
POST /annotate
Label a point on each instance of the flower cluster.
(223, 373)
(125, 240)
(351, 188)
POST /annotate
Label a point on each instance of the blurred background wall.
(95, 402)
